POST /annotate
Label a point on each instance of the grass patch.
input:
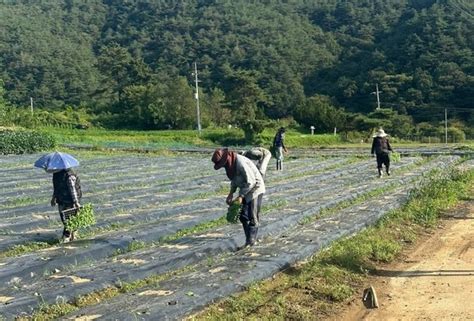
(111, 139)
(162, 139)
(313, 290)
(20, 249)
(202, 227)
(49, 312)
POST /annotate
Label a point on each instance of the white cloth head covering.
(380, 133)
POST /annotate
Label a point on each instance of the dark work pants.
(61, 208)
(250, 218)
(383, 159)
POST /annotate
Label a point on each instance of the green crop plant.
(21, 201)
(278, 203)
(20, 249)
(395, 157)
(210, 261)
(136, 245)
(233, 212)
(83, 218)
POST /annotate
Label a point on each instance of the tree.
(141, 107)
(165, 105)
(246, 97)
(3, 106)
(120, 70)
(394, 123)
(219, 113)
(318, 111)
(66, 53)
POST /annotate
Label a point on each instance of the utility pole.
(31, 105)
(377, 92)
(196, 96)
(446, 126)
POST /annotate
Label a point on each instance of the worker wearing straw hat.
(381, 147)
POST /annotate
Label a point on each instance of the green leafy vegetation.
(233, 212)
(395, 157)
(20, 141)
(26, 248)
(83, 218)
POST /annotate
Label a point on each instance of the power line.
(428, 108)
(443, 108)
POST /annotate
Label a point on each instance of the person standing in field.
(381, 147)
(260, 157)
(279, 147)
(245, 176)
(67, 194)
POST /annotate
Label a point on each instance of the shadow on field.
(50, 238)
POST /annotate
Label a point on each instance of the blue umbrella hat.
(56, 161)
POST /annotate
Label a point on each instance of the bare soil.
(433, 281)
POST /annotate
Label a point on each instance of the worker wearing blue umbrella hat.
(67, 192)
(56, 161)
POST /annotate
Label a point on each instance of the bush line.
(20, 141)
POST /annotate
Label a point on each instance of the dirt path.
(434, 282)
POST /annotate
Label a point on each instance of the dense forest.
(130, 62)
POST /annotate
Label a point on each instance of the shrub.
(356, 137)
(456, 134)
(24, 141)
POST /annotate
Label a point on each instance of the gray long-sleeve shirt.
(260, 157)
(248, 179)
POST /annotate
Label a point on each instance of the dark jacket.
(380, 145)
(278, 140)
(67, 187)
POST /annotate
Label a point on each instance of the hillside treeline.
(129, 63)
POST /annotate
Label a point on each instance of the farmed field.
(161, 248)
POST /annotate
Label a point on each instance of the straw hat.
(380, 133)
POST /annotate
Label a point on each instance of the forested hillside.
(261, 59)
